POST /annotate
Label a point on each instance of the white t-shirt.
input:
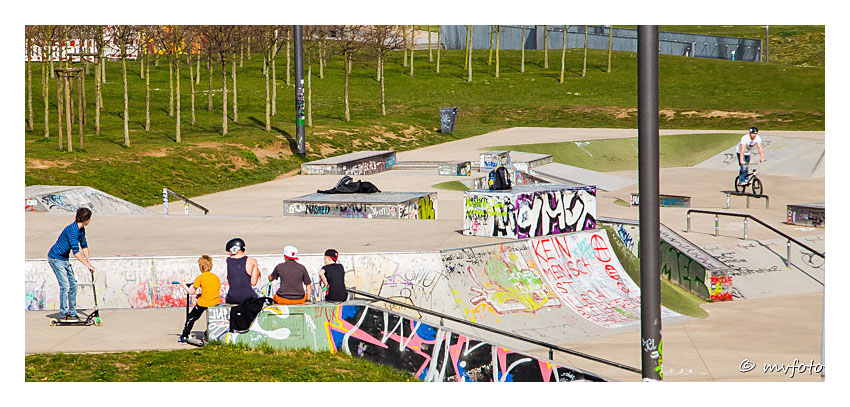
(748, 144)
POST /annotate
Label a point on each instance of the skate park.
(760, 295)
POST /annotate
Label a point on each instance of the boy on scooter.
(210, 286)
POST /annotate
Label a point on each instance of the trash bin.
(447, 119)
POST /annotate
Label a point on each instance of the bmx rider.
(744, 149)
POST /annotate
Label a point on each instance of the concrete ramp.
(67, 199)
(556, 172)
(792, 157)
(758, 267)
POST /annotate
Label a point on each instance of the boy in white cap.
(293, 279)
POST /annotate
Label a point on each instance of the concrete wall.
(517, 214)
(428, 352)
(424, 207)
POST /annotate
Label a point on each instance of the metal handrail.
(166, 192)
(748, 216)
(498, 331)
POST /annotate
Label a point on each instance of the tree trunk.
(68, 111)
(321, 59)
(59, 103)
(466, 49)
(45, 95)
(177, 135)
(274, 85)
(404, 42)
(288, 62)
(235, 102)
(142, 62)
(268, 94)
(97, 97)
(440, 30)
(584, 65)
(102, 71)
(378, 68)
(241, 55)
(490, 57)
(209, 89)
(469, 69)
(346, 62)
(85, 103)
(383, 98)
(170, 87)
(29, 87)
(223, 96)
(192, 89)
(522, 57)
(249, 47)
(430, 55)
(310, 94)
(412, 33)
(545, 47)
(81, 108)
(148, 97)
(498, 34)
(73, 110)
(198, 76)
(563, 55)
(52, 72)
(610, 45)
(126, 100)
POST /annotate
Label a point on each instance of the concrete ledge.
(358, 163)
(380, 205)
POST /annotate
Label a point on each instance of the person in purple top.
(72, 239)
(242, 273)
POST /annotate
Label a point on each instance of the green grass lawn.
(215, 362)
(694, 93)
(621, 154)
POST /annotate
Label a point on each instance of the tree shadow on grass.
(293, 146)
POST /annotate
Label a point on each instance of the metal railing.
(186, 202)
(549, 346)
(788, 239)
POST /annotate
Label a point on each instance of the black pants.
(194, 315)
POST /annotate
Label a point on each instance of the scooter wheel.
(54, 322)
(98, 322)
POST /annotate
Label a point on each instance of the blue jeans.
(743, 172)
(67, 286)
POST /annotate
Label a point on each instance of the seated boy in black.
(333, 277)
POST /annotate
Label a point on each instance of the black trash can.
(447, 119)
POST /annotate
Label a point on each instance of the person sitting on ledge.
(333, 277)
(293, 279)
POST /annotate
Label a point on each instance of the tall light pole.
(650, 219)
(299, 89)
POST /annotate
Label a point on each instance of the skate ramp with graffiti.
(427, 351)
(758, 268)
(67, 199)
(793, 157)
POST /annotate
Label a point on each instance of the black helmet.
(754, 130)
(234, 245)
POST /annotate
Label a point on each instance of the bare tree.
(430, 56)
(404, 37)
(220, 40)
(126, 35)
(44, 36)
(522, 57)
(382, 39)
(172, 39)
(490, 56)
(584, 65)
(29, 33)
(269, 38)
(439, 45)
(610, 45)
(469, 71)
(563, 54)
(349, 43)
(498, 34)
(412, 43)
(545, 47)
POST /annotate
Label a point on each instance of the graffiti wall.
(490, 160)
(371, 164)
(423, 207)
(462, 168)
(428, 352)
(529, 211)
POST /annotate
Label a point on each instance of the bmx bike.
(751, 180)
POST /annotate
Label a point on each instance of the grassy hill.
(694, 94)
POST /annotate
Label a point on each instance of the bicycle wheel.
(738, 188)
(758, 188)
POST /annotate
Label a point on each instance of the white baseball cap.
(290, 252)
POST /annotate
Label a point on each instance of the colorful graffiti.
(428, 352)
(529, 211)
(358, 165)
(423, 206)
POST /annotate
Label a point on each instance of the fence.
(622, 39)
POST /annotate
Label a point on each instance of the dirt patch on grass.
(37, 164)
(714, 114)
(276, 151)
(162, 152)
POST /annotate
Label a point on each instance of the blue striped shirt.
(72, 238)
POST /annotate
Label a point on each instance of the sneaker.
(181, 339)
(70, 318)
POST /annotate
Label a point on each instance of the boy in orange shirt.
(210, 286)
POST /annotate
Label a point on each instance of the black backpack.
(499, 179)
